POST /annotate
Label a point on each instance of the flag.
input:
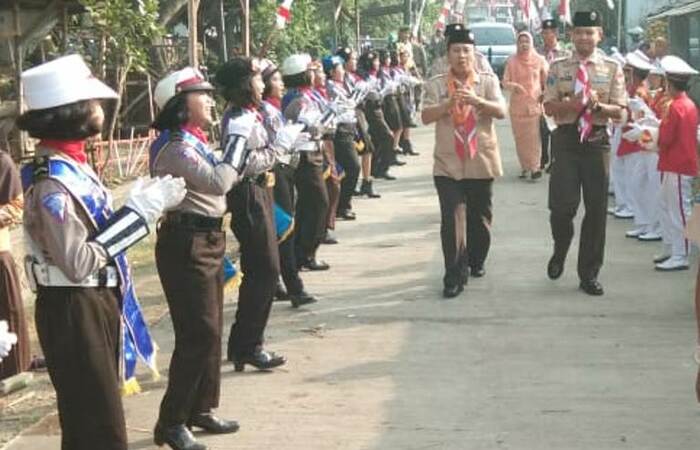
(565, 11)
(444, 14)
(284, 14)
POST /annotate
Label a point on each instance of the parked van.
(497, 41)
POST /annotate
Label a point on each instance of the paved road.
(516, 362)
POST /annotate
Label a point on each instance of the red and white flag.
(583, 86)
(565, 11)
(284, 14)
(444, 14)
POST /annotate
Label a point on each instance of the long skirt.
(526, 131)
(12, 310)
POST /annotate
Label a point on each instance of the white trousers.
(675, 206)
(618, 170)
(643, 181)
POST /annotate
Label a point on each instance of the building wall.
(637, 10)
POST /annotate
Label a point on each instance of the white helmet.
(188, 79)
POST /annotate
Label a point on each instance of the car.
(497, 41)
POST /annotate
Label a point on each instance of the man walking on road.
(583, 93)
(463, 103)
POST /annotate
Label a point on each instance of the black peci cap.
(587, 19)
(549, 24)
(456, 33)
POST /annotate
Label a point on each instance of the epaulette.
(36, 170)
(560, 59)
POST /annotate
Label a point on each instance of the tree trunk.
(122, 72)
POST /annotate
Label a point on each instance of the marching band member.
(189, 257)
(76, 254)
(678, 164)
(251, 206)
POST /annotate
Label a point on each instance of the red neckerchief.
(276, 102)
(355, 76)
(74, 149)
(196, 132)
(322, 90)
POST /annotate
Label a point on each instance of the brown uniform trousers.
(312, 208)
(579, 168)
(465, 226)
(12, 310)
(189, 257)
(78, 330)
(382, 138)
(345, 154)
(253, 224)
(285, 198)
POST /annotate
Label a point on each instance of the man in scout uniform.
(463, 102)
(583, 92)
(551, 50)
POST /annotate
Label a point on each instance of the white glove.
(310, 117)
(650, 138)
(389, 89)
(636, 104)
(649, 122)
(634, 133)
(288, 135)
(7, 339)
(242, 125)
(301, 140)
(153, 197)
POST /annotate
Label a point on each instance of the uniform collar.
(595, 57)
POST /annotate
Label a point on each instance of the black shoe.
(345, 214)
(367, 188)
(301, 299)
(591, 287)
(260, 359)
(452, 291)
(314, 264)
(212, 424)
(329, 239)
(178, 437)
(555, 268)
(536, 175)
(280, 292)
(478, 271)
(548, 169)
(398, 162)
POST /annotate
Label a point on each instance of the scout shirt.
(557, 52)
(606, 78)
(487, 161)
(60, 228)
(678, 139)
(293, 109)
(11, 200)
(206, 181)
(262, 156)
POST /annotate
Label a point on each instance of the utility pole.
(619, 25)
(222, 30)
(192, 9)
(246, 27)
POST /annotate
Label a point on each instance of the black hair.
(268, 85)
(173, 115)
(71, 121)
(235, 79)
(365, 61)
(394, 57)
(681, 85)
(640, 74)
(297, 80)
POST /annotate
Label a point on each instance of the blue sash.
(284, 222)
(90, 194)
(164, 137)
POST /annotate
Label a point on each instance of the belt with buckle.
(193, 220)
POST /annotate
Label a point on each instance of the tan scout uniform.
(581, 167)
(464, 187)
(189, 256)
(552, 55)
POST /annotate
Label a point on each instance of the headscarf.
(521, 66)
(529, 59)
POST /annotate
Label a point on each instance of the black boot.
(407, 147)
(212, 424)
(260, 359)
(367, 188)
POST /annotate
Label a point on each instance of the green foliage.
(129, 29)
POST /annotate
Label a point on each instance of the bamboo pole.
(192, 8)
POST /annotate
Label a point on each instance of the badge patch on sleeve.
(55, 204)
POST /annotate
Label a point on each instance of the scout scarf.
(463, 120)
(74, 149)
(194, 140)
(583, 86)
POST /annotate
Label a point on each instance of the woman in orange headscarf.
(524, 76)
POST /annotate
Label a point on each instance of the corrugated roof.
(675, 10)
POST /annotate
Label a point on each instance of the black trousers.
(346, 156)
(363, 130)
(78, 330)
(312, 209)
(465, 226)
(579, 169)
(190, 266)
(382, 138)
(546, 137)
(285, 197)
(253, 224)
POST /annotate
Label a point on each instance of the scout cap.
(60, 82)
(676, 68)
(587, 19)
(639, 61)
(296, 64)
(456, 33)
(549, 24)
(188, 79)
